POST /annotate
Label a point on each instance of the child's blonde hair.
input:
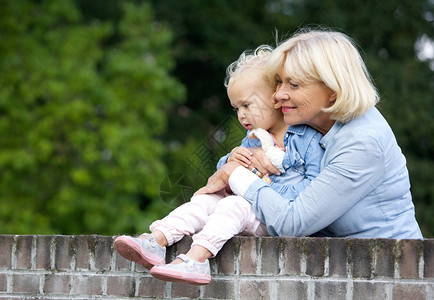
(248, 60)
(332, 58)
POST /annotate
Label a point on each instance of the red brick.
(122, 264)
(292, 249)
(315, 256)
(86, 285)
(369, 290)
(183, 290)
(385, 258)
(43, 247)
(270, 255)
(183, 245)
(3, 283)
(331, 290)
(429, 258)
(57, 284)
(121, 286)
(180, 247)
(292, 289)
(82, 252)
(409, 291)
(248, 255)
(64, 252)
(140, 269)
(409, 258)
(152, 287)
(171, 253)
(24, 251)
(220, 289)
(103, 251)
(361, 257)
(225, 259)
(254, 289)
(6, 242)
(25, 283)
(337, 257)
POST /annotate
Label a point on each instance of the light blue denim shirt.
(363, 189)
(301, 162)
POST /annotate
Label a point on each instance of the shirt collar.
(297, 129)
(326, 139)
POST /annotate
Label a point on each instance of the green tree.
(83, 105)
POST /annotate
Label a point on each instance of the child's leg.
(188, 218)
(149, 249)
(232, 215)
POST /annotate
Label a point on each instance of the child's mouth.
(247, 126)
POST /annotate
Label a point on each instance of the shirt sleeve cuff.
(240, 180)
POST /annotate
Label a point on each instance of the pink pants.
(212, 219)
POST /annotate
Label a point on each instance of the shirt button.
(286, 166)
(322, 146)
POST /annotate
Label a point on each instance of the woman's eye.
(278, 82)
(294, 85)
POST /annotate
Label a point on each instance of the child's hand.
(263, 164)
(241, 155)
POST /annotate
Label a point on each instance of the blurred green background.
(114, 112)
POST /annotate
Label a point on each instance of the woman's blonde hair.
(332, 58)
(248, 60)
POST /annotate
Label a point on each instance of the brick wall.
(83, 267)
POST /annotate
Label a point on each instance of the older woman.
(363, 189)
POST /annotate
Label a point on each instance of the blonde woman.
(363, 188)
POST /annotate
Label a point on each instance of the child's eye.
(294, 85)
(246, 105)
(278, 81)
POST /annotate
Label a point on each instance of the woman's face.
(302, 103)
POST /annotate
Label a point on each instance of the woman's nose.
(281, 95)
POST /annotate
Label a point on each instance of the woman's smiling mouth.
(288, 108)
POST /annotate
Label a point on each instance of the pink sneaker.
(189, 271)
(145, 252)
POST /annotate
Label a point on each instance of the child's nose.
(241, 114)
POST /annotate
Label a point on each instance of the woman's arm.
(353, 171)
(219, 180)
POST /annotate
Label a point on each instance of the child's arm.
(241, 155)
(274, 154)
(236, 156)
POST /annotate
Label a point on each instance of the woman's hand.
(219, 180)
(261, 162)
(241, 155)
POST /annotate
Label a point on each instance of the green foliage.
(82, 106)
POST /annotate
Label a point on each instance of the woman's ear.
(332, 96)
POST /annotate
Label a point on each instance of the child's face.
(252, 98)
